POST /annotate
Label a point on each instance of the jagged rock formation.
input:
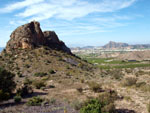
(30, 36)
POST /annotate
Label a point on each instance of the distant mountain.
(88, 47)
(115, 45)
(141, 46)
(112, 45)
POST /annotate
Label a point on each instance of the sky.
(80, 22)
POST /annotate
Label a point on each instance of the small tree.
(7, 84)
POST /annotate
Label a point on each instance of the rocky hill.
(30, 36)
(51, 79)
(30, 51)
(112, 45)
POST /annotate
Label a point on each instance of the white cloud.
(19, 5)
(70, 15)
(64, 9)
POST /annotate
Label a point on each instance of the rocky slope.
(30, 51)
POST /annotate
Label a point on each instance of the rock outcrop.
(30, 36)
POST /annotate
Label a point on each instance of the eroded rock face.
(26, 36)
(53, 41)
(30, 36)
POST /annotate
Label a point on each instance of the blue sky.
(80, 22)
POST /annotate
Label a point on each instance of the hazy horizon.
(80, 22)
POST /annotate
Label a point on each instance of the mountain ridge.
(117, 45)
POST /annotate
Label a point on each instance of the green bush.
(39, 83)
(95, 86)
(40, 74)
(24, 90)
(103, 104)
(35, 101)
(4, 95)
(92, 106)
(27, 81)
(52, 71)
(7, 84)
(17, 99)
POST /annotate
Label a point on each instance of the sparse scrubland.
(51, 80)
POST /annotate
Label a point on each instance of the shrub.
(40, 74)
(130, 81)
(95, 86)
(35, 101)
(103, 104)
(80, 89)
(24, 90)
(117, 74)
(91, 106)
(145, 88)
(7, 84)
(52, 71)
(27, 66)
(140, 84)
(52, 101)
(82, 80)
(77, 105)
(39, 83)
(27, 81)
(17, 99)
(4, 95)
(107, 98)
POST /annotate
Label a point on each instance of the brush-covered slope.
(42, 60)
(32, 52)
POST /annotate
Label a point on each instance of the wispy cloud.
(64, 9)
(19, 5)
(70, 15)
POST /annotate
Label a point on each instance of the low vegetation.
(102, 104)
(39, 84)
(95, 86)
(17, 99)
(7, 84)
(35, 101)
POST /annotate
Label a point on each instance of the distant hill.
(112, 45)
(116, 45)
(136, 55)
(141, 46)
